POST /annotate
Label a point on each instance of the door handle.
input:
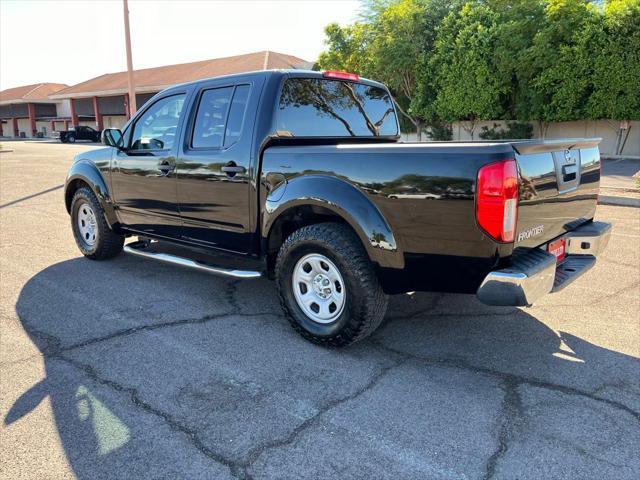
(165, 168)
(233, 169)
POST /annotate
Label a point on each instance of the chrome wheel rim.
(318, 288)
(87, 224)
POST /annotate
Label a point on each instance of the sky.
(74, 40)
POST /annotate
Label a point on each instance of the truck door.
(143, 175)
(213, 168)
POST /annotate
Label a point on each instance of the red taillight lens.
(354, 77)
(497, 200)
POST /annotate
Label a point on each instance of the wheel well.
(293, 219)
(72, 188)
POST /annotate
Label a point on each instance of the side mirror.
(112, 137)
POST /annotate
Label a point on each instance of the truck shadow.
(126, 399)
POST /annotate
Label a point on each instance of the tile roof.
(153, 79)
(36, 92)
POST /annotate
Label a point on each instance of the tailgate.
(559, 183)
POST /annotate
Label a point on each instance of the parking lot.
(135, 369)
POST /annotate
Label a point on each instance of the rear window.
(220, 117)
(313, 107)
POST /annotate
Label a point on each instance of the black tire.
(107, 243)
(365, 302)
(71, 139)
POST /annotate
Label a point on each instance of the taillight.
(497, 200)
(354, 77)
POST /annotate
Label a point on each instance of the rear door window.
(220, 117)
(313, 107)
(236, 115)
(208, 131)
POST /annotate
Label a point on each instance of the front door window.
(157, 128)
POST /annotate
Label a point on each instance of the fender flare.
(87, 172)
(345, 201)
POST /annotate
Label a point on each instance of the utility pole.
(127, 39)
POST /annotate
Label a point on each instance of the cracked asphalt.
(134, 369)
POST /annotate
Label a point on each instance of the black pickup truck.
(80, 132)
(299, 176)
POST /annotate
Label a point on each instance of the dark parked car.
(80, 132)
(299, 176)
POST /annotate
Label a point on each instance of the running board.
(144, 249)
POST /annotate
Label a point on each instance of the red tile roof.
(154, 79)
(34, 93)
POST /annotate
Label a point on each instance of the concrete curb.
(619, 201)
(620, 157)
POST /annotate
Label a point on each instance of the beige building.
(27, 111)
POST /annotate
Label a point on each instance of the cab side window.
(157, 128)
(220, 117)
(208, 131)
(236, 115)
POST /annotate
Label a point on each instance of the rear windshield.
(313, 107)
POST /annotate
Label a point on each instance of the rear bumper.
(534, 273)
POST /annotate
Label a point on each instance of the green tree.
(404, 33)
(556, 69)
(518, 23)
(347, 48)
(469, 87)
(390, 44)
(471, 60)
(614, 50)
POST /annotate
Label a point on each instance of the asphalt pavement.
(134, 369)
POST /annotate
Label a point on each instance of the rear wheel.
(328, 287)
(92, 233)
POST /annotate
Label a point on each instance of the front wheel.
(328, 287)
(71, 139)
(92, 233)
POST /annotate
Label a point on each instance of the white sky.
(72, 41)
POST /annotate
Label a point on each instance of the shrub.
(440, 132)
(514, 130)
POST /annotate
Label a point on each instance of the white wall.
(63, 108)
(44, 127)
(24, 126)
(114, 121)
(607, 130)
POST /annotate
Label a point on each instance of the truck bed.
(426, 193)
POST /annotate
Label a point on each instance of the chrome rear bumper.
(534, 273)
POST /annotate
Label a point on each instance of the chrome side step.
(144, 249)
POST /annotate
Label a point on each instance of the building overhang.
(109, 93)
(21, 101)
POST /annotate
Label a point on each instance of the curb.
(619, 201)
(620, 157)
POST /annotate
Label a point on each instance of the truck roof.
(277, 72)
